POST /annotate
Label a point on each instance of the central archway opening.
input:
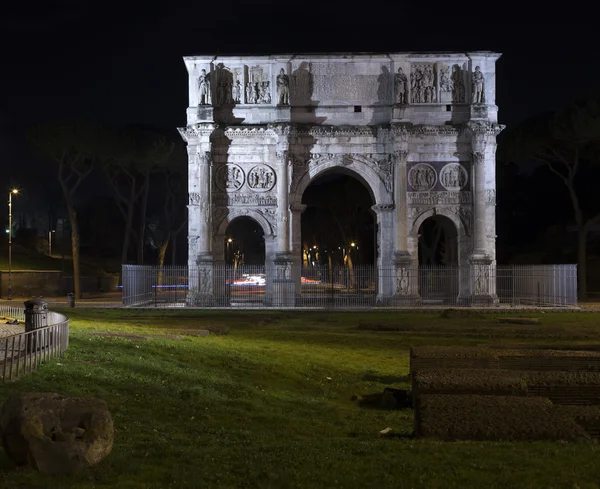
(338, 235)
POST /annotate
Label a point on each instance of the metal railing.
(24, 352)
(361, 286)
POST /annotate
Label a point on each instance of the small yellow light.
(353, 243)
(229, 240)
(15, 191)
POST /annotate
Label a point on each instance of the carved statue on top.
(400, 82)
(249, 93)
(445, 80)
(204, 88)
(478, 82)
(283, 88)
(265, 92)
(458, 82)
(237, 92)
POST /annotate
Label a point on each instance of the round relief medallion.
(422, 177)
(261, 178)
(230, 177)
(454, 176)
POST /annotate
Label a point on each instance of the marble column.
(385, 252)
(296, 246)
(283, 284)
(482, 265)
(400, 241)
(478, 189)
(405, 277)
(283, 222)
(204, 208)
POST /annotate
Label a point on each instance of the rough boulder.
(56, 434)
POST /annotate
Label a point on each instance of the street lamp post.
(13, 191)
(50, 242)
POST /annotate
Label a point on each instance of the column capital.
(196, 133)
(205, 157)
(401, 155)
(484, 128)
(381, 208)
(282, 155)
(478, 157)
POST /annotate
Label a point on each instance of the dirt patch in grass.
(461, 313)
(519, 320)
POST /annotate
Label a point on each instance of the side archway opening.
(438, 260)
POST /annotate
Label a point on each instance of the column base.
(207, 288)
(482, 278)
(284, 286)
(406, 278)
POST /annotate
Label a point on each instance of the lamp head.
(14, 191)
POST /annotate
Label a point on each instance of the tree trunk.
(350, 269)
(582, 259)
(142, 217)
(162, 251)
(74, 248)
(173, 248)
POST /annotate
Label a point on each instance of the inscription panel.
(438, 198)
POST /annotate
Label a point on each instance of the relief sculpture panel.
(261, 178)
(422, 177)
(230, 177)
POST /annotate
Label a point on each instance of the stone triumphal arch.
(419, 130)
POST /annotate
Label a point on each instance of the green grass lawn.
(268, 404)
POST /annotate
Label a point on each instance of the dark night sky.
(121, 62)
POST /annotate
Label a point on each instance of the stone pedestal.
(201, 282)
(406, 280)
(207, 287)
(284, 286)
(483, 282)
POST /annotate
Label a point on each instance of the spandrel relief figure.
(283, 88)
(400, 82)
(478, 82)
(458, 85)
(204, 88)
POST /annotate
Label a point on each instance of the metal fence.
(350, 287)
(23, 352)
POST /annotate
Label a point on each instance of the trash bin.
(36, 314)
(71, 299)
(36, 317)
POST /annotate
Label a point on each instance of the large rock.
(56, 434)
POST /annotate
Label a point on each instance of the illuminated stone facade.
(419, 130)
